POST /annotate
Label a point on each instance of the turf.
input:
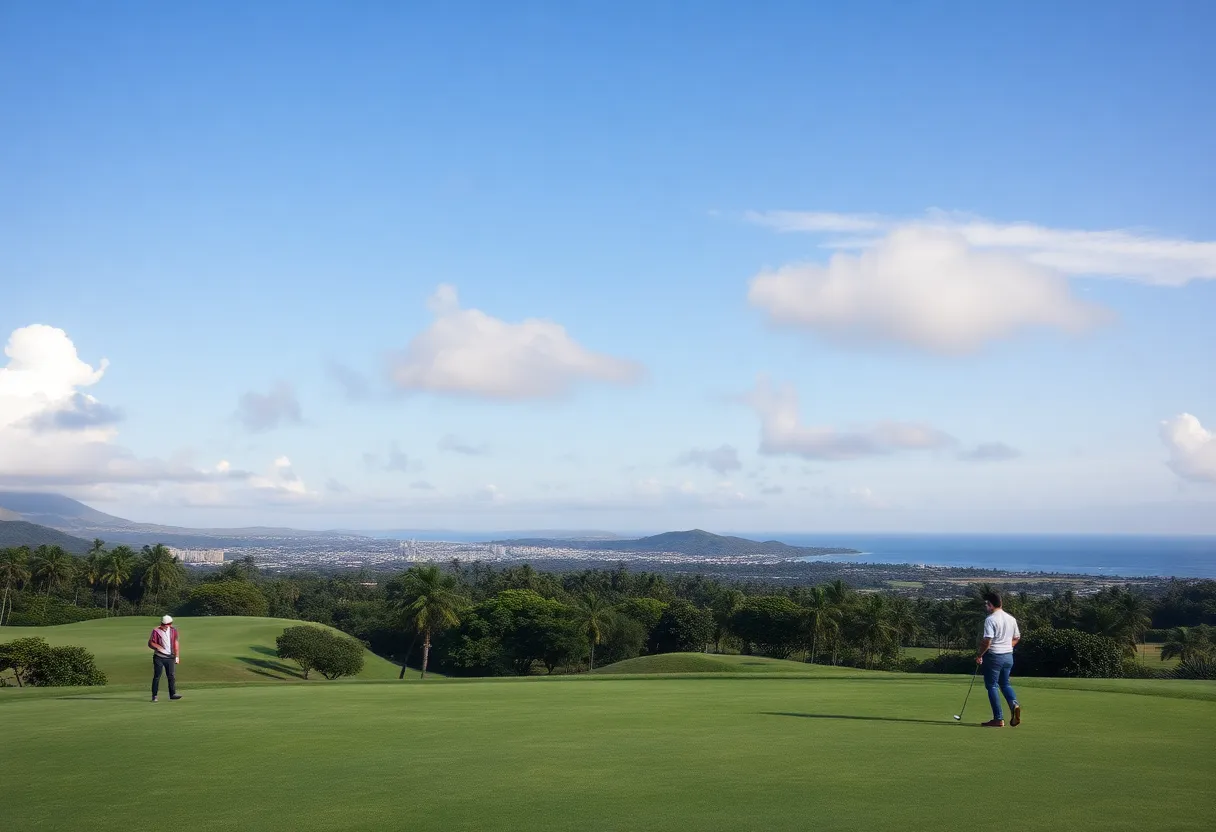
(742, 751)
(706, 663)
(220, 649)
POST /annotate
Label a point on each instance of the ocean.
(1122, 555)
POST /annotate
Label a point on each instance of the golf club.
(959, 716)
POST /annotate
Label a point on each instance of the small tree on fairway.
(301, 645)
(314, 648)
(428, 601)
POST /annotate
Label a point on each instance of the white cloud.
(264, 411)
(52, 433)
(781, 432)
(722, 460)
(467, 352)
(1192, 448)
(1119, 253)
(923, 287)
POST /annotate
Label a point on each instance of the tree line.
(472, 618)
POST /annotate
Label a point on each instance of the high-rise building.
(199, 555)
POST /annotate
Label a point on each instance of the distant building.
(199, 555)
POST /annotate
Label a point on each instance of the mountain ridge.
(696, 542)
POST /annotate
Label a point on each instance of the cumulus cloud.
(989, 452)
(260, 412)
(782, 433)
(1192, 448)
(1121, 253)
(52, 432)
(456, 445)
(923, 287)
(723, 459)
(78, 412)
(467, 352)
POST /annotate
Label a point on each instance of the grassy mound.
(779, 753)
(214, 649)
(707, 663)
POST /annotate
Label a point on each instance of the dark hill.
(73, 517)
(15, 533)
(695, 543)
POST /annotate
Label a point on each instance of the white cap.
(166, 619)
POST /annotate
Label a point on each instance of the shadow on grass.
(266, 667)
(264, 650)
(871, 718)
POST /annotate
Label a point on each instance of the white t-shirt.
(165, 640)
(1002, 628)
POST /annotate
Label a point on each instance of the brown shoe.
(993, 723)
(1017, 716)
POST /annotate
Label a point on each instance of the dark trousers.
(166, 664)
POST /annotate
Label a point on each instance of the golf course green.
(214, 649)
(824, 748)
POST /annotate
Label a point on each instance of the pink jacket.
(155, 643)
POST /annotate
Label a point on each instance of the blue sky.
(770, 267)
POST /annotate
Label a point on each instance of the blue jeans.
(996, 679)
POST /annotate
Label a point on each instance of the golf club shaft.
(974, 673)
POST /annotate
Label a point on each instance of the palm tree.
(594, 615)
(161, 570)
(13, 572)
(822, 618)
(51, 567)
(1187, 644)
(873, 627)
(840, 595)
(428, 601)
(1134, 613)
(116, 571)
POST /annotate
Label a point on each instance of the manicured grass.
(708, 663)
(746, 751)
(221, 649)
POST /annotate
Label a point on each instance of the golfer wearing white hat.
(165, 655)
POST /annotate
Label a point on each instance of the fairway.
(858, 751)
(214, 649)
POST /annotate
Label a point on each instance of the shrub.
(226, 598)
(313, 648)
(1198, 668)
(947, 663)
(65, 666)
(35, 663)
(52, 612)
(1136, 669)
(1070, 653)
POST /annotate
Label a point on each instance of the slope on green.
(214, 649)
(714, 663)
(585, 754)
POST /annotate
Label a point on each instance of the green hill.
(218, 649)
(716, 663)
(15, 533)
(695, 543)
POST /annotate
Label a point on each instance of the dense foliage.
(1069, 653)
(35, 663)
(478, 619)
(314, 648)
